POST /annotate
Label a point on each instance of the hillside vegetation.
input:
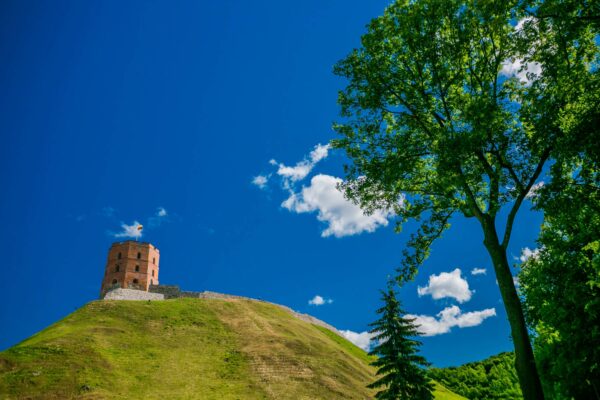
(186, 348)
(494, 378)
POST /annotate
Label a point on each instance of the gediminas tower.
(131, 265)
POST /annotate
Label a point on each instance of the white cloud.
(343, 217)
(320, 152)
(516, 281)
(296, 173)
(448, 318)
(518, 67)
(521, 23)
(302, 168)
(478, 271)
(527, 253)
(447, 284)
(362, 339)
(521, 69)
(534, 191)
(158, 218)
(260, 181)
(319, 301)
(130, 231)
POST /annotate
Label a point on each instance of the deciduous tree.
(456, 107)
(561, 287)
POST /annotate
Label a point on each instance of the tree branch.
(513, 212)
(509, 168)
(493, 205)
(472, 201)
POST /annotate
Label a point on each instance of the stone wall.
(131, 294)
(173, 292)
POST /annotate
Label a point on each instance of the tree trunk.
(524, 361)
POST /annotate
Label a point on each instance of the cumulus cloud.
(448, 318)
(362, 339)
(478, 271)
(521, 70)
(130, 231)
(343, 218)
(322, 197)
(319, 301)
(518, 67)
(157, 219)
(527, 253)
(260, 181)
(295, 173)
(447, 284)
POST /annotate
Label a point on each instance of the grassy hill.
(186, 349)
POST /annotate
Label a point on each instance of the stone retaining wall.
(132, 294)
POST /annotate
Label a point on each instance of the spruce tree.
(402, 371)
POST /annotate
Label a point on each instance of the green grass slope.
(186, 349)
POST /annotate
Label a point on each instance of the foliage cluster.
(561, 285)
(494, 378)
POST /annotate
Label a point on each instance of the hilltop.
(187, 348)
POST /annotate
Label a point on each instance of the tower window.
(137, 268)
(152, 272)
(153, 260)
(114, 281)
(139, 255)
(117, 268)
(119, 256)
(135, 281)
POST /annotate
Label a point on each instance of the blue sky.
(112, 111)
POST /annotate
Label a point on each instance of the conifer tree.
(401, 369)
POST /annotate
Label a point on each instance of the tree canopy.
(457, 107)
(494, 378)
(561, 288)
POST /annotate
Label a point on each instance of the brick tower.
(130, 265)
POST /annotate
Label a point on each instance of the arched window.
(153, 260)
(119, 256)
(117, 268)
(152, 272)
(139, 255)
(137, 268)
(135, 281)
(114, 282)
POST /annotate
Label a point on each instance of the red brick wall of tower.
(131, 265)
